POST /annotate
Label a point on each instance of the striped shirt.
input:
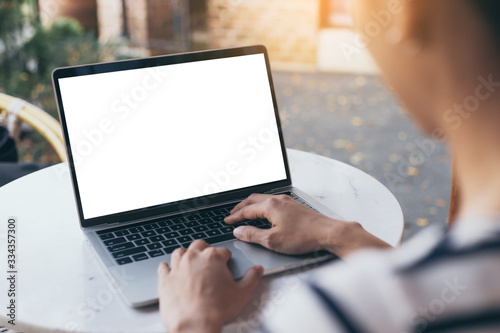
(436, 282)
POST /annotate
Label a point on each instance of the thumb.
(250, 234)
(163, 271)
(251, 278)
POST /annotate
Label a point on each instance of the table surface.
(61, 286)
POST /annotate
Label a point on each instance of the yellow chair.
(14, 111)
(454, 197)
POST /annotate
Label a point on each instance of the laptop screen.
(150, 136)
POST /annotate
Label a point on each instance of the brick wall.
(83, 11)
(110, 19)
(288, 28)
(149, 24)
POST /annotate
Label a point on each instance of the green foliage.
(31, 52)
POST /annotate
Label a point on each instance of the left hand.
(199, 294)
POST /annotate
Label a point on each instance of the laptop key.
(157, 238)
(120, 233)
(142, 241)
(205, 221)
(185, 232)
(136, 230)
(162, 230)
(172, 234)
(200, 228)
(129, 252)
(264, 222)
(154, 246)
(177, 220)
(124, 261)
(107, 236)
(219, 218)
(148, 233)
(199, 235)
(177, 227)
(186, 245)
(213, 232)
(150, 226)
(163, 223)
(191, 224)
(261, 222)
(141, 256)
(194, 217)
(155, 253)
(170, 242)
(170, 249)
(115, 241)
(221, 211)
(184, 239)
(226, 230)
(220, 238)
(206, 214)
(122, 246)
(214, 225)
(133, 237)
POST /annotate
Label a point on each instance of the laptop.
(160, 150)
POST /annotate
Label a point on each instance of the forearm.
(343, 238)
(196, 327)
(199, 321)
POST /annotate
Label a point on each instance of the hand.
(297, 229)
(199, 294)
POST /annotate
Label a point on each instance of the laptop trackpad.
(245, 255)
(239, 263)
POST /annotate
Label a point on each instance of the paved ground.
(355, 119)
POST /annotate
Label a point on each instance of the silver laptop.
(160, 150)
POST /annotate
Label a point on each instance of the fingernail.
(237, 232)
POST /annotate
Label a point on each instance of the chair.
(14, 111)
(454, 197)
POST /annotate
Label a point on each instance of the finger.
(251, 279)
(198, 245)
(251, 234)
(176, 256)
(251, 212)
(256, 197)
(224, 253)
(163, 270)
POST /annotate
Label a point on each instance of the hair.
(490, 10)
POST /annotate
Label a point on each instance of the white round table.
(62, 288)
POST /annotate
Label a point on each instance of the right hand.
(297, 229)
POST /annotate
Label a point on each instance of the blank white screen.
(146, 137)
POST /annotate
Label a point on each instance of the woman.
(442, 58)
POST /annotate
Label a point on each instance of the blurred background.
(332, 99)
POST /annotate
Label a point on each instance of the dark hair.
(490, 10)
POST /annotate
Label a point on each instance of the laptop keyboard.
(145, 240)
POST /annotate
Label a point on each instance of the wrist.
(194, 324)
(343, 238)
(329, 234)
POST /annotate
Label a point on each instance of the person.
(441, 58)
